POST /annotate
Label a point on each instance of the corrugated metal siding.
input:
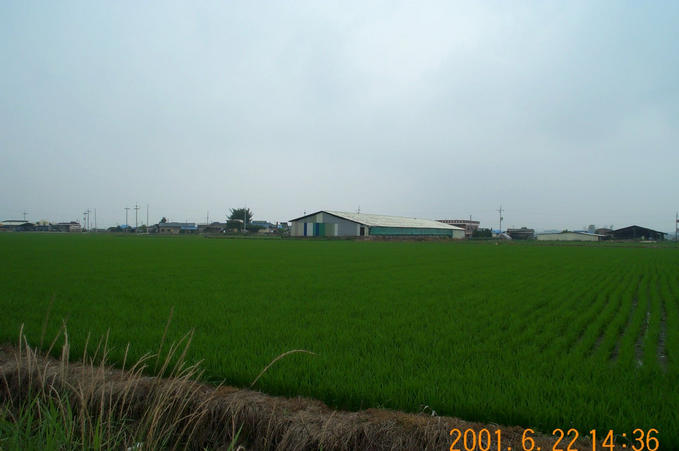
(409, 231)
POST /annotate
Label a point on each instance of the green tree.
(243, 214)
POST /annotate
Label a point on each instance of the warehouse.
(570, 236)
(636, 232)
(16, 225)
(524, 233)
(339, 223)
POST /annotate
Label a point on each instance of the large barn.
(339, 223)
(636, 232)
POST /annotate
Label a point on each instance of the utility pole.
(501, 218)
(86, 219)
(95, 219)
(676, 226)
(136, 211)
(127, 209)
(147, 216)
(207, 218)
(25, 213)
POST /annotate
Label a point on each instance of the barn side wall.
(323, 224)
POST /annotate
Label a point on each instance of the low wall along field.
(518, 334)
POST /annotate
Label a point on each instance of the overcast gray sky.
(566, 113)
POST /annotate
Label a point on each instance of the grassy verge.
(85, 405)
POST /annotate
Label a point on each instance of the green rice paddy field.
(519, 334)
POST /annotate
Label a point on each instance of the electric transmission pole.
(86, 219)
(136, 210)
(127, 209)
(501, 218)
(147, 216)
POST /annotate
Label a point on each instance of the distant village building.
(338, 223)
(606, 232)
(468, 225)
(214, 227)
(266, 226)
(67, 227)
(569, 236)
(176, 228)
(16, 225)
(636, 232)
(523, 233)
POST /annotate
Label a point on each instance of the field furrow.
(575, 337)
(613, 322)
(629, 353)
(670, 295)
(631, 301)
(595, 333)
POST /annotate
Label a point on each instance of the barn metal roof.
(638, 227)
(386, 221)
(579, 232)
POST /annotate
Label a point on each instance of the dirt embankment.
(265, 422)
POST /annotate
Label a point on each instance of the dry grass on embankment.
(124, 409)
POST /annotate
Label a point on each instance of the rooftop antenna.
(136, 210)
(501, 218)
(127, 209)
